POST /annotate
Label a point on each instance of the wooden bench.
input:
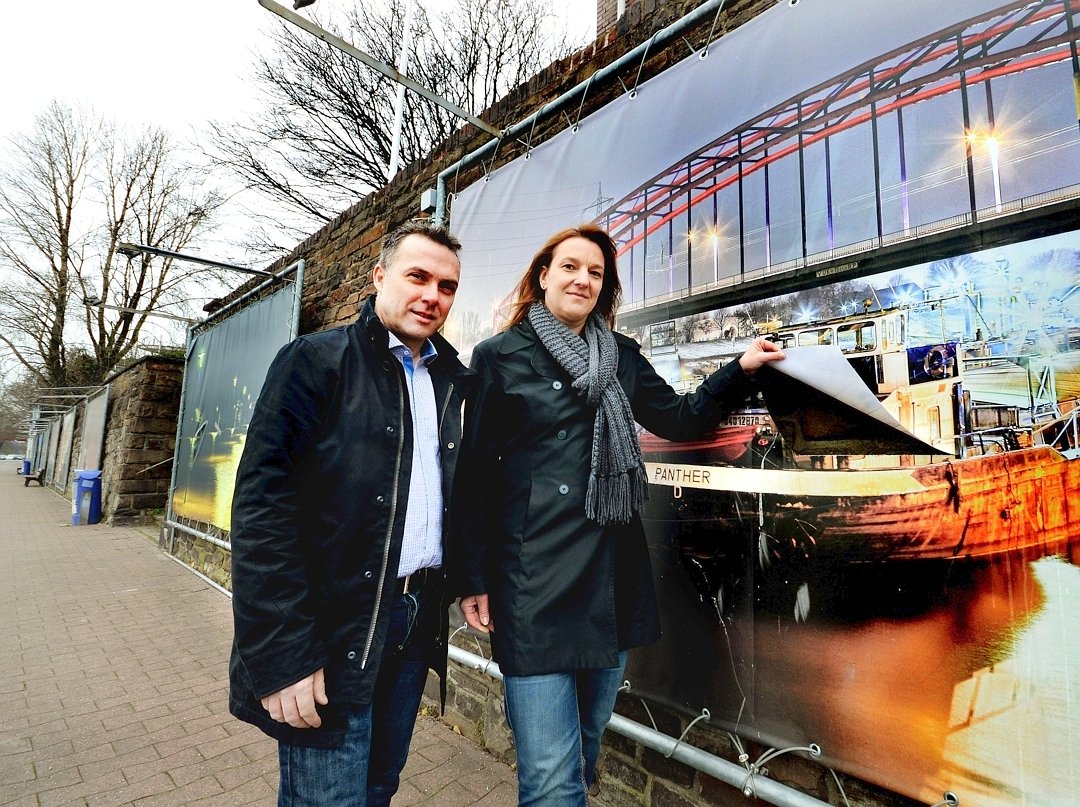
(36, 476)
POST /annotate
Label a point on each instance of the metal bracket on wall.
(757, 768)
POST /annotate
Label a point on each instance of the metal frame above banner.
(635, 57)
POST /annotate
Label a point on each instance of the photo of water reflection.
(912, 615)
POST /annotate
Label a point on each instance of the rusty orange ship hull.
(966, 508)
(724, 444)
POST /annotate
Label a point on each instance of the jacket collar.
(523, 337)
(519, 337)
(448, 355)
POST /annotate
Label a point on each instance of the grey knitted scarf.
(617, 484)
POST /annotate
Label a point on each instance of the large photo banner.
(92, 441)
(912, 616)
(910, 613)
(61, 470)
(223, 375)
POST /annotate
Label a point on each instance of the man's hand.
(295, 704)
(760, 353)
(475, 609)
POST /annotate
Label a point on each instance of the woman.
(550, 546)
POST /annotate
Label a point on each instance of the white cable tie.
(840, 787)
(703, 716)
(584, 93)
(649, 713)
(716, 18)
(641, 66)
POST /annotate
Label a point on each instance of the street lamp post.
(399, 105)
(132, 250)
(715, 257)
(993, 149)
(94, 301)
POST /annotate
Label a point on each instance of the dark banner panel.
(51, 463)
(62, 468)
(93, 431)
(224, 373)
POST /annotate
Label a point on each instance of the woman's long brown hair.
(528, 289)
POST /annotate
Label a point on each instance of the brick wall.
(607, 11)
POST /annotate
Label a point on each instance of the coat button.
(350, 655)
(564, 489)
(562, 434)
(367, 574)
(556, 385)
(386, 366)
(390, 430)
(450, 445)
(380, 499)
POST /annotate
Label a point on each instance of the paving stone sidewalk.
(114, 680)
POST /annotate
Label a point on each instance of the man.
(339, 516)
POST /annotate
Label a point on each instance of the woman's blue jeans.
(365, 770)
(557, 721)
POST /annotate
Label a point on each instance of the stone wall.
(140, 437)
(203, 556)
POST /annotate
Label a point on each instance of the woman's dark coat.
(318, 518)
(565, 593)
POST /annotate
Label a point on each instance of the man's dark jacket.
(318, 518)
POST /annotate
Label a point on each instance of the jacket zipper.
(446, 406)
(390, 527)
(446, 519)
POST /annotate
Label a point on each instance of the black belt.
(417, 581)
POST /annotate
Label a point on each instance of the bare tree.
(324, 137)
(38, 237)
(16, 398)
(70, 193)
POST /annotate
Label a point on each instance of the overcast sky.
(173, 63)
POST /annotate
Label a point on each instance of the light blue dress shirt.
(422, 546)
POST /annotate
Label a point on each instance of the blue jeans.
(557, 721)
(365, 770)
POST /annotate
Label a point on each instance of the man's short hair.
(434, 232)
